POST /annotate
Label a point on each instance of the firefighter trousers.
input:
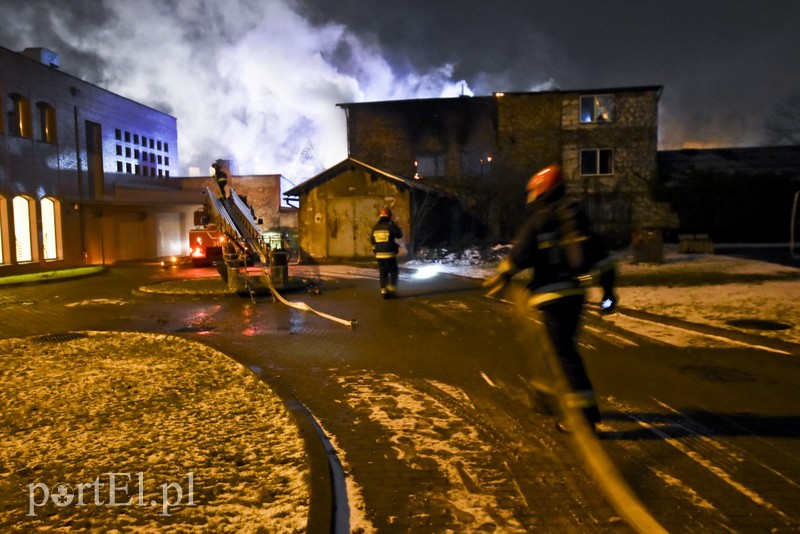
(560, 319)
(387, 272)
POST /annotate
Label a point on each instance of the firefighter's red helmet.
(386, 211)
(543, 181)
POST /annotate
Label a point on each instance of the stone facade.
(482, 150)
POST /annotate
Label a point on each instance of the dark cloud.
(720, 62)
(257, 80)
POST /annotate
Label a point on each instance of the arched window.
(46, 122)
(3, 231)
(23, 234)
(19, 115)
(51, 228)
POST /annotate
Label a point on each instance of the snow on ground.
(429, 437)
(174, 421)
(702, 288)
(158, 409)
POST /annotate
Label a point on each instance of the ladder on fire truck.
(243, 241)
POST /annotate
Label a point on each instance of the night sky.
(257, 80)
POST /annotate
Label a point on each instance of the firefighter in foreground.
(384, 238)
(557, 242)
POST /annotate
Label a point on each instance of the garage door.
(169, 237)
(341, 236)
(350, 222)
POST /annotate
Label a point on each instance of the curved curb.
(151, 290)
(140, 292)
(44, 279)
(328, 507)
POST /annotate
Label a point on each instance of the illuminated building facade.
(86, 175)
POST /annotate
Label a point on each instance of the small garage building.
(339, 207)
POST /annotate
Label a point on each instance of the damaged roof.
(351, 164)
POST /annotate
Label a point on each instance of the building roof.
(656, 88)
(673, 164)
(350, 164)
(50, 61)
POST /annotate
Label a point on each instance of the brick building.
(481, 150)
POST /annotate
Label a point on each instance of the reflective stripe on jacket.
(383, 238)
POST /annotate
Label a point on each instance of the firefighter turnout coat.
(384, 238)
(556, 241)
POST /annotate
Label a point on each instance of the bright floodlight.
(427, 271)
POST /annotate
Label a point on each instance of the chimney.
(44, 56)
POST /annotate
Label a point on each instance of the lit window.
(597, 161)
(23, 237)
(51, 228)
(46, 122)
(597, 108)
(3, 227)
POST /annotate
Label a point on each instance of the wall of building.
(92, 140)
(262, 192)
(336, 218)
(489, 146)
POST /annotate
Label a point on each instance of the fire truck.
(205, 241)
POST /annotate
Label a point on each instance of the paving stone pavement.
(427, 442)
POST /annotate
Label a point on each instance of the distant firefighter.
(220, 177)
(384, 238)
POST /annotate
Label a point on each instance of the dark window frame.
(597, 161)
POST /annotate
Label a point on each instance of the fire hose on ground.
(302, 306)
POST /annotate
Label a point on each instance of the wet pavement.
(422, 412)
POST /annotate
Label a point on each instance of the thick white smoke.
(248, 80)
